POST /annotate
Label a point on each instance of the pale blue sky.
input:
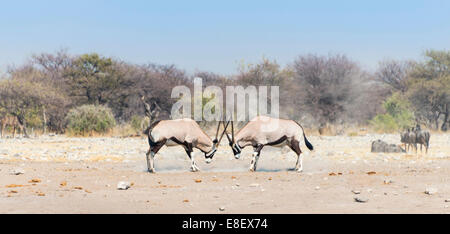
(216, 36)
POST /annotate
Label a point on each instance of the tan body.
(266, 131)
(12, 121)
(182, 132)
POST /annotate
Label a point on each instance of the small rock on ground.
(123, 185)
(388, 181)
(18, 171)
(356, 191)
(430, 191)
(361, 199)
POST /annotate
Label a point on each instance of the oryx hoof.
(299, 170)
(152, 171)
(252, 169)
(195, 169)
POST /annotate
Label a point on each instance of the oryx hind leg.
(150, 155)
(295, 146)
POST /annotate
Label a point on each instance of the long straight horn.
(224, 131)
(217, 132)
(232, 131)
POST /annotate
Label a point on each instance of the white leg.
(150, 161)
(194, 166)
(253, 163)
(256, 162)
(299, 166)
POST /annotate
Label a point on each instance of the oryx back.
(270, 131)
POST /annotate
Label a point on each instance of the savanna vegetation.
(82, 94)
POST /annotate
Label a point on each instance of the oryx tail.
(307, 143)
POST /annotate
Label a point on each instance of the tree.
(266, 72)
(92, 78)
(429, 89)
(330, 87)
(395, 74)
(21, 97)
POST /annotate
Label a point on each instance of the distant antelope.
(183, 132)
(408, 138)
(422, 138)
(403, 137)
(266, 131)
(13, 121)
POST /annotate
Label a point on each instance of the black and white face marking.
(209, 156)
(236, 150)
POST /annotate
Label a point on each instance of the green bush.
(384, 123)
(90, 119)
(397, 117)
(33, 118)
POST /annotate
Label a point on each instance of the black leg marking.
(256, 152)
(295, 146)
(152, 151)
(189, 149)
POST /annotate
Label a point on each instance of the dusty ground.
(80, 175)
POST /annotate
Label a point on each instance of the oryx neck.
(205, 147)
(242, 144)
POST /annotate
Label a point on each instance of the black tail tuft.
(308, 144)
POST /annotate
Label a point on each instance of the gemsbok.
(12, 121)
(422, 138)
(181, 132)
(408, 138)
(266, 131)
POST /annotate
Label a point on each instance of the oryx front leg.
(255, 158)
(194, 167)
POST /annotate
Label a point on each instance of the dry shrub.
(124, 130)
(328, 130)
(89, 120)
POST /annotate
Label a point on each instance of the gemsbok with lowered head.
(180, 132)
(267, 131)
